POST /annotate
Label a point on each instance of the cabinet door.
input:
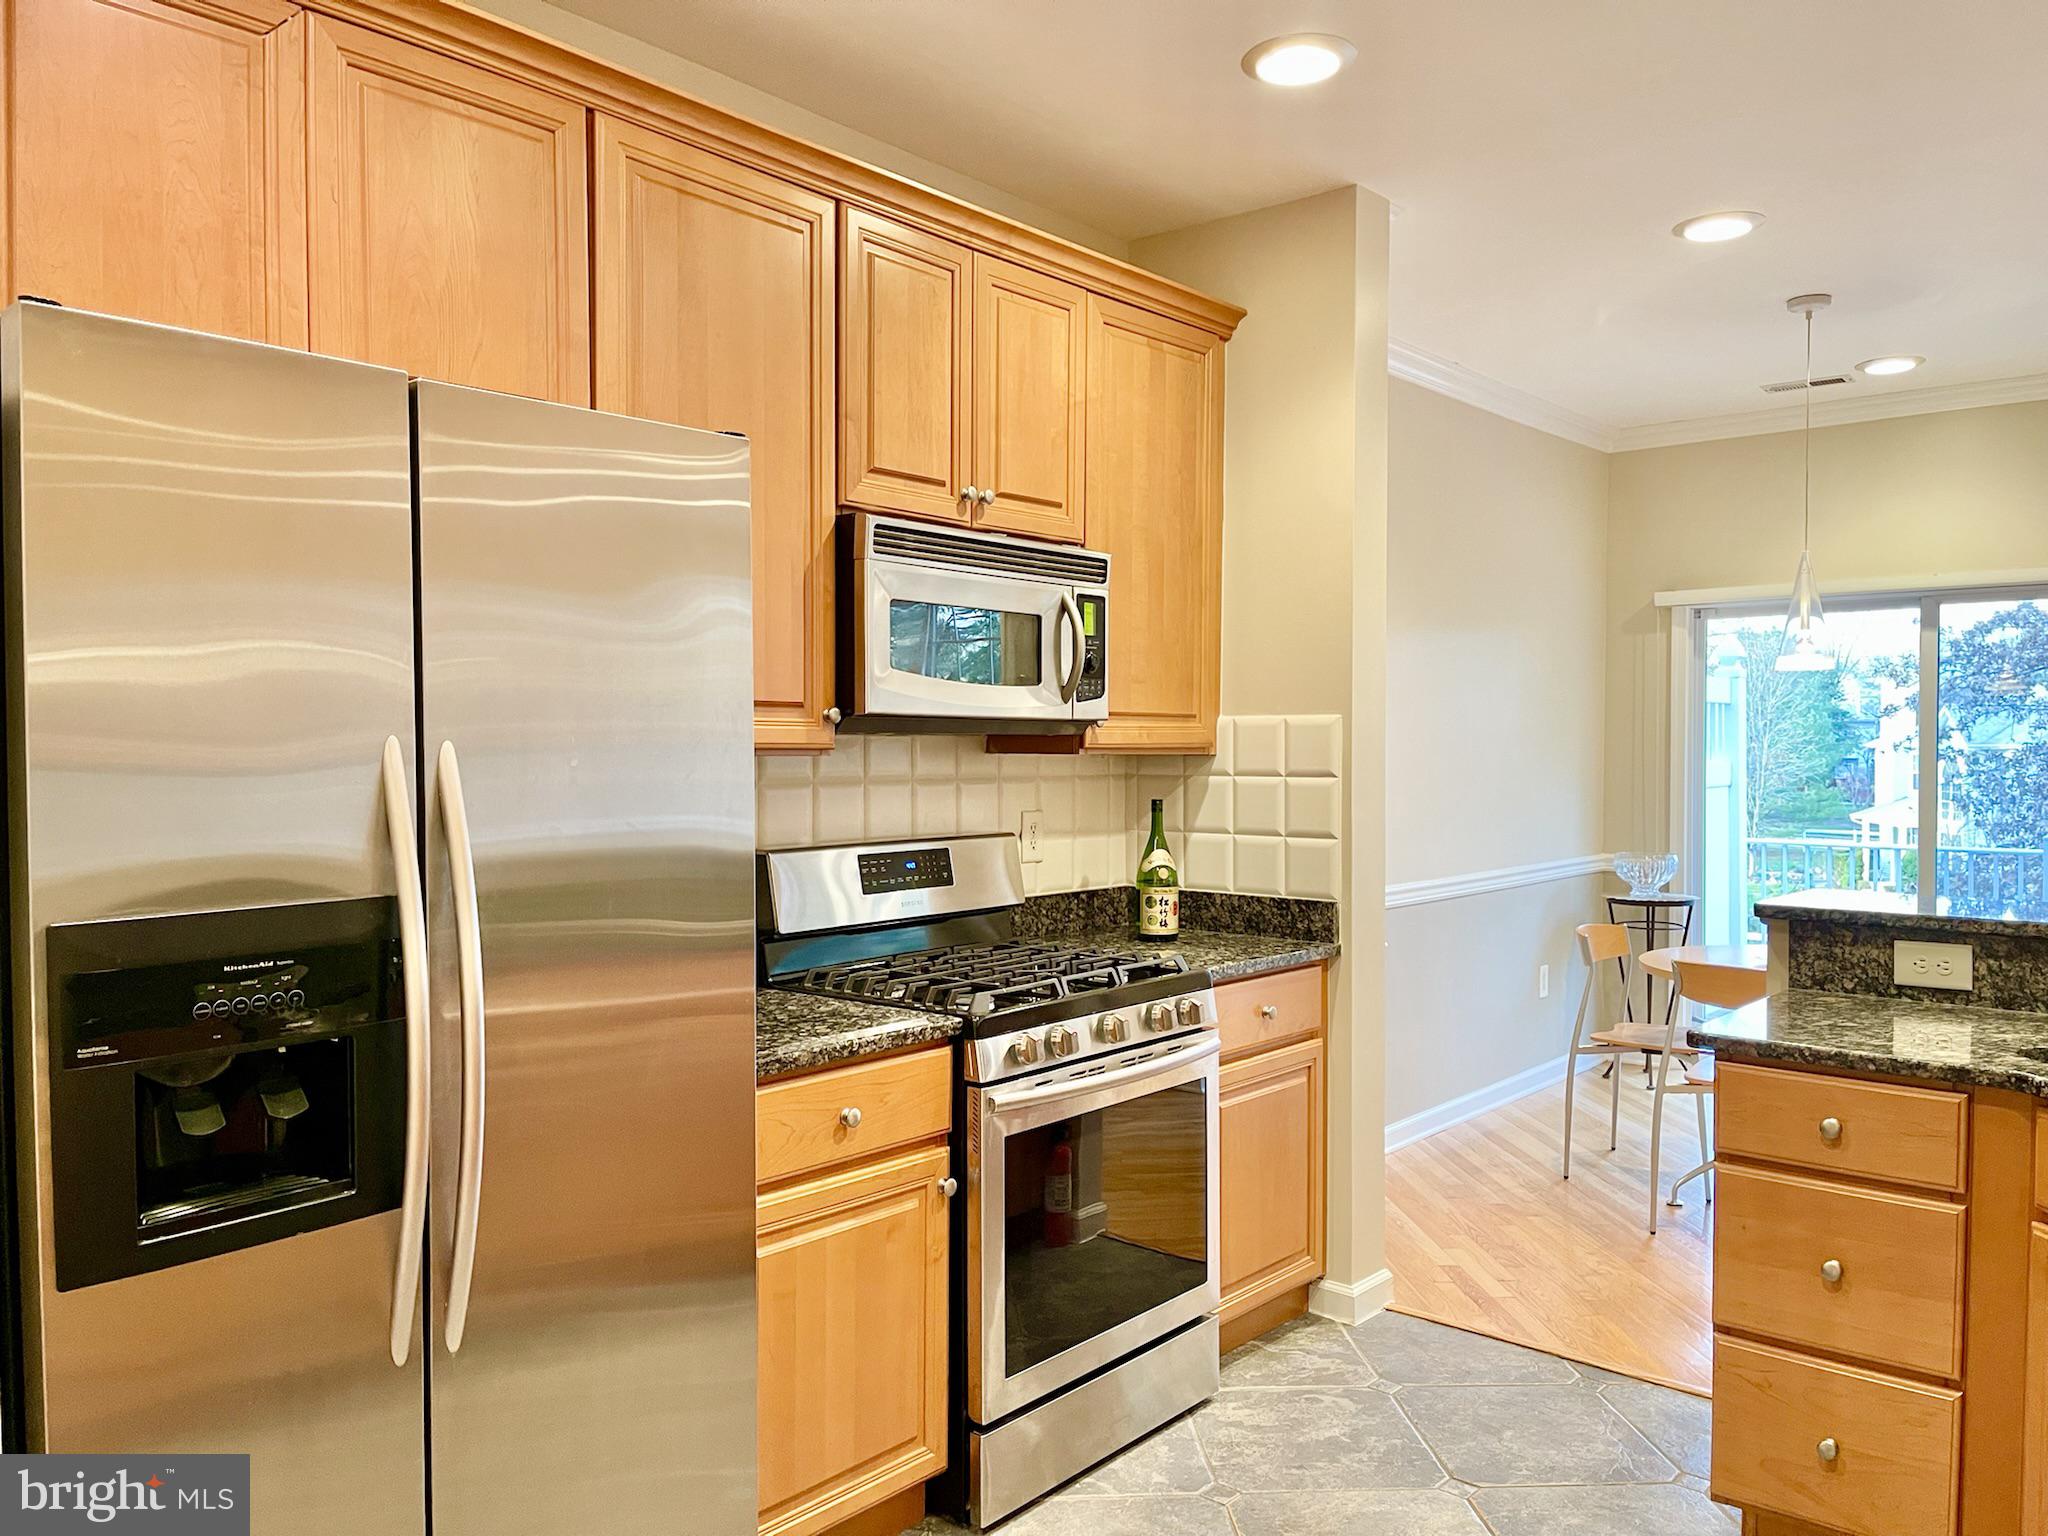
(1030, 399)
(715, 309)
(906, 440)
(853, 1283)
(1155, 506)
(155, 162)
(1269, 1111)
(2034, 1503)
(449, 221)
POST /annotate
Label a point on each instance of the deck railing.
(1981, 882)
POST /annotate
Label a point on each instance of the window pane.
(1809, 779)
(1993, 758)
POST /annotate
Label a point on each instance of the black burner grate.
(973, 981)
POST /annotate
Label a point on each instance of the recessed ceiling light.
(1713, 228)
(1301, 58)
(1878, 367)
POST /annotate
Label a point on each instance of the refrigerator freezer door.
(209, 582)
(586, 643)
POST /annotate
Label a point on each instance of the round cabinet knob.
(988, 496)
(949, 1187)
(1158, 1017)
(1268, 1011)
(850, 1118)
(1831, 1129)
(1831, 1271)
(1828, 1449)
(1189, 1011)
(1060, 1041)
(832, 715)
(1112, 1028)
(1024, 1050)
(971, 494)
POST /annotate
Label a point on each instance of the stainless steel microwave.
(950, 629)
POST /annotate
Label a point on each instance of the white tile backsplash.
(1263, 816)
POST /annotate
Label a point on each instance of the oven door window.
(956, 643)
(1107, 1218)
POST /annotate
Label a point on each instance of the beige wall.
(1913, 500)
(1304, 593)
(730, 95)
(1496, 655)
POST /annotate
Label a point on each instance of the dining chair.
(1598, 944)
(1717, 986)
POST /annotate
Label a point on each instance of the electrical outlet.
(1031, 837)
(1543, 981)
(1932, 965)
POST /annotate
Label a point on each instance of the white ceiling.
(1537, 155)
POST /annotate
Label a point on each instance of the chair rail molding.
(1417, 893)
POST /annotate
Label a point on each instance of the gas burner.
(979, 981)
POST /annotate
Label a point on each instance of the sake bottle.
(1158, 884)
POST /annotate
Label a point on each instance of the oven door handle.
(1070, 612)
(1004, 1100)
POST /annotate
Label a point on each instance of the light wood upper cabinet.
(906, 442)
(1269, 1114)
(155, 162)
(852, 1273)
(715, 309)
(1030, 400)
(449, 228)
(1155, 506)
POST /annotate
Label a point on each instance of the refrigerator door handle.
(412, 945)
(469, 958)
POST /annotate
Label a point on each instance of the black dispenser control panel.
(134, 989)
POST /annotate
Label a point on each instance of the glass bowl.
(1646, 873)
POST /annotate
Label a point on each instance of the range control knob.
(1112, 1028)
(1158, 1017)
(1061, 1041)
(1024, 1050)
(1189, 1011)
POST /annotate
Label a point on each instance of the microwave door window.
(956, 643)
(1107, 1218)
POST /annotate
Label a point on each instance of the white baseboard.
(1354, 1302)
(1466, 1105)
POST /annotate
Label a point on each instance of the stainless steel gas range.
(1085, 1251)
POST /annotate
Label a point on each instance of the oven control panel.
(910, 869)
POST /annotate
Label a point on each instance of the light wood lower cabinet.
(449, 218)
(155, 161)
(2034, 1493)
(853, 1273)
(715, 309)
(1270, 1114)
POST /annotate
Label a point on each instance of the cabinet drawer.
(1895, 1443)
(1270, 1010)
(1899, 1298)
(1842, 1125)
(802, 1124)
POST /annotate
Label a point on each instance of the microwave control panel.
(1094, 647)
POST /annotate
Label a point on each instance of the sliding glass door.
(1802, 780)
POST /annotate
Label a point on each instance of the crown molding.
(1461, 383)
(1835, 412)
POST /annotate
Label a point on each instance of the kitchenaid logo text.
(188, 1496)
(255, 965)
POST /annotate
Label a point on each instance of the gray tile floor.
(1402, 1428)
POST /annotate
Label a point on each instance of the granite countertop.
(1889, 909)
(797, 1032)
(1901, 1037)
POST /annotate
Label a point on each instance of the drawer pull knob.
(1267, 1011)
(1828, 1449)
(850, 1118)
(1831, 1271)
(949, 1187)
(1831, 1129)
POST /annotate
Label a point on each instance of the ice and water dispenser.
(221, 1079)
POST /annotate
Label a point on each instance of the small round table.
(1748, 957)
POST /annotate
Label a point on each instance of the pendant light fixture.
(1805, 648)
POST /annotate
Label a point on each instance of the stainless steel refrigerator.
(381, 985)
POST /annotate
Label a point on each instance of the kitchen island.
(1881, 1262)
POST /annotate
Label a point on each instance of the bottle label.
(1158, 858)
(1059, 1193)
(1159, 911)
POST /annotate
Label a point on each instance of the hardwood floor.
(1483, 1234)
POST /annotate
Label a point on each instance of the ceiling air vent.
(1793, 386)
